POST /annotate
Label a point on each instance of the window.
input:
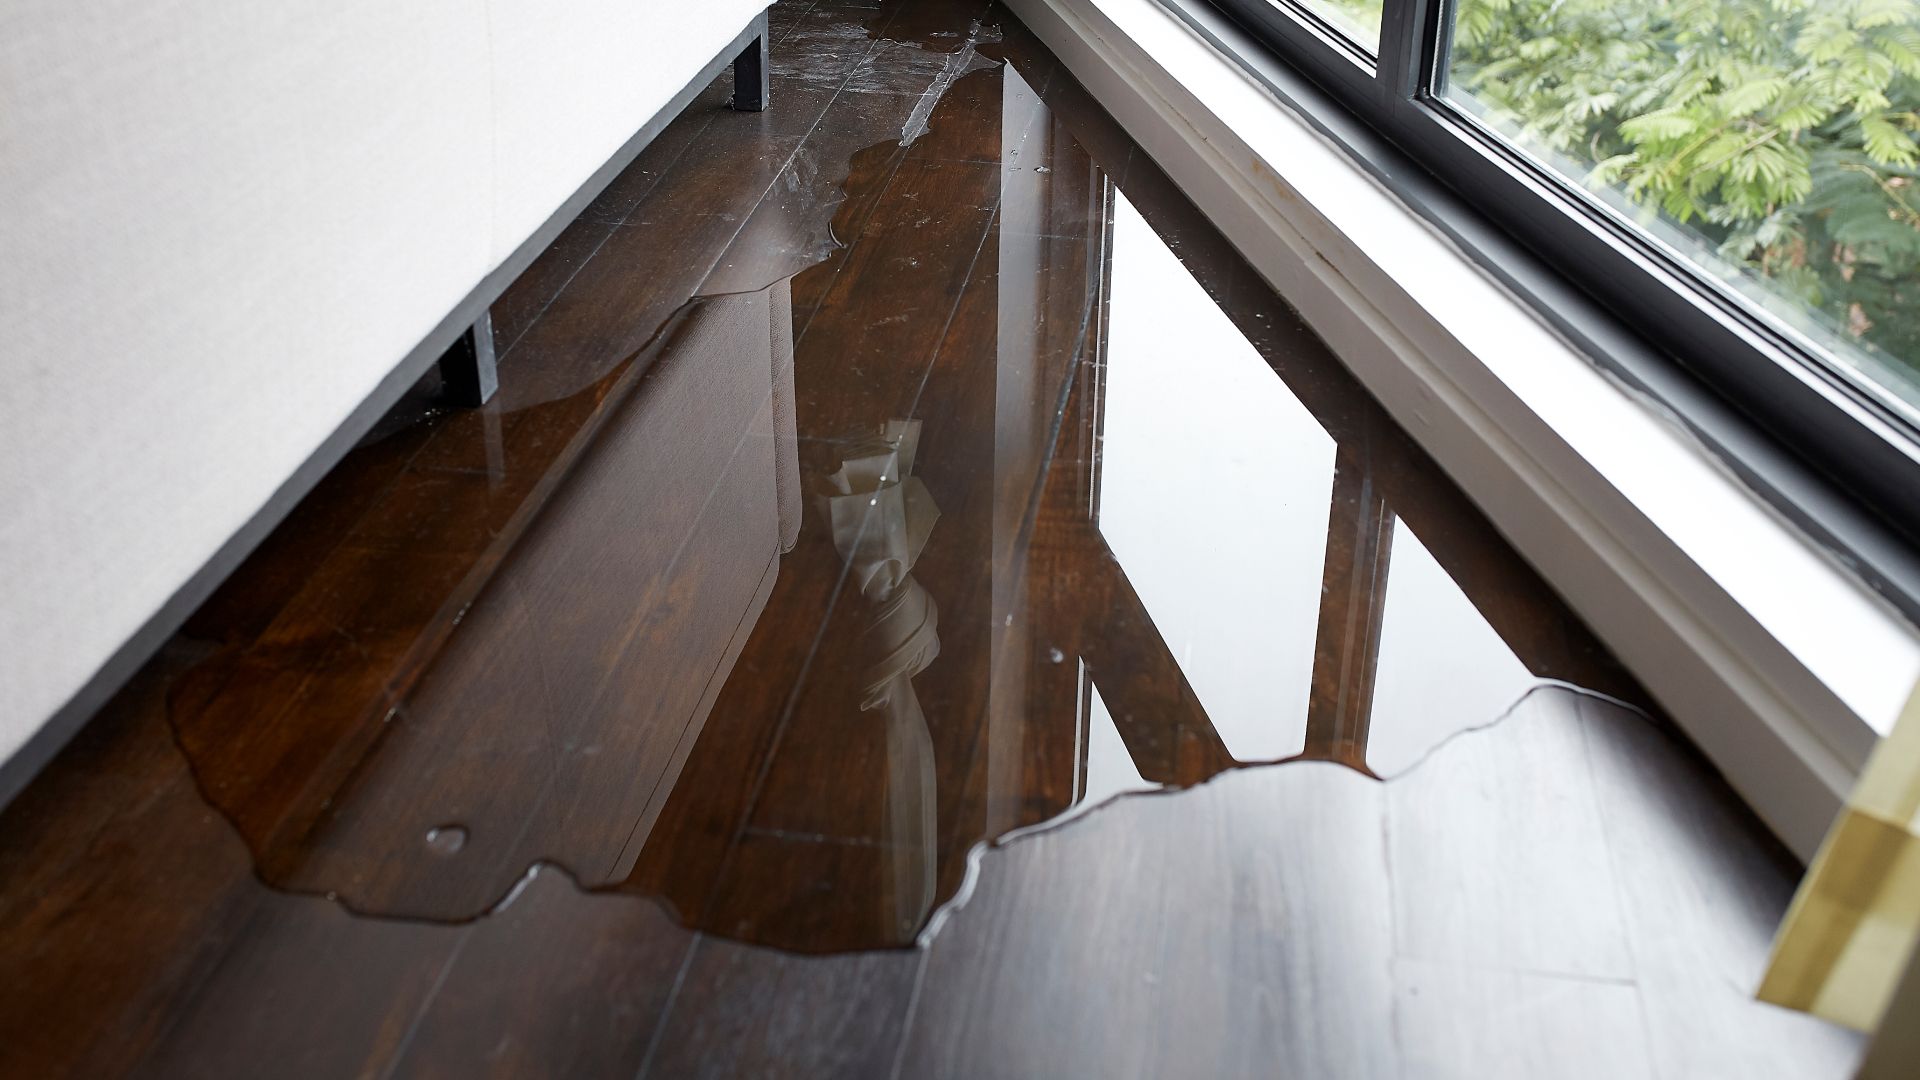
(1356, 20)
(1738, 181)
(1769, 142)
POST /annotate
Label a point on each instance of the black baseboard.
(26, 763)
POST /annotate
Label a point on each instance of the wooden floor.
(881, 487)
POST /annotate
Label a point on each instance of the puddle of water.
(1023, 494)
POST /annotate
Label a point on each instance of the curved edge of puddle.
(978, 853)
(977, 856)
(965, 58)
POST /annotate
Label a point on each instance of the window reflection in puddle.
(685, 625)
(1213, 488)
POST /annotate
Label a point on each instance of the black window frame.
(1834, 458)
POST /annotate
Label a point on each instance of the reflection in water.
(1109, 769)
(469, 628)
(592, 625)
(1440, 666)
(1306, 594)
(1213, 490)
(881, 516)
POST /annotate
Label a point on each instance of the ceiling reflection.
(1029, 496)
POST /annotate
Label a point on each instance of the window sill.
(1775, 659)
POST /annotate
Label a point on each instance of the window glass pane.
(1771, 142)
(1359, 20)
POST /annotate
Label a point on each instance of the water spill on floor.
(877, 485)
(964, 494)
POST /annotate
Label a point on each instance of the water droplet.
(1056, 656)
(446, 839)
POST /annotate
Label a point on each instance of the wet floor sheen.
(871, 480)
(1014, 517)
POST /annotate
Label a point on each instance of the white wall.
(223, 224)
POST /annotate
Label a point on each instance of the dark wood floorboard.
(745, 1011)
(609, 996)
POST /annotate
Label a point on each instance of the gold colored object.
(1850, 933)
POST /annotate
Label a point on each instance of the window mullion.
(1402, 50)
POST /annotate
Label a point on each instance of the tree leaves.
(1664, 124)
(1746, 98)
(1780, 132)
(1886, 143)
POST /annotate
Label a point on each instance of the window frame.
(1840, 462)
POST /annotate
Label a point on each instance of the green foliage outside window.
(1360, 18)
(1782, 132)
